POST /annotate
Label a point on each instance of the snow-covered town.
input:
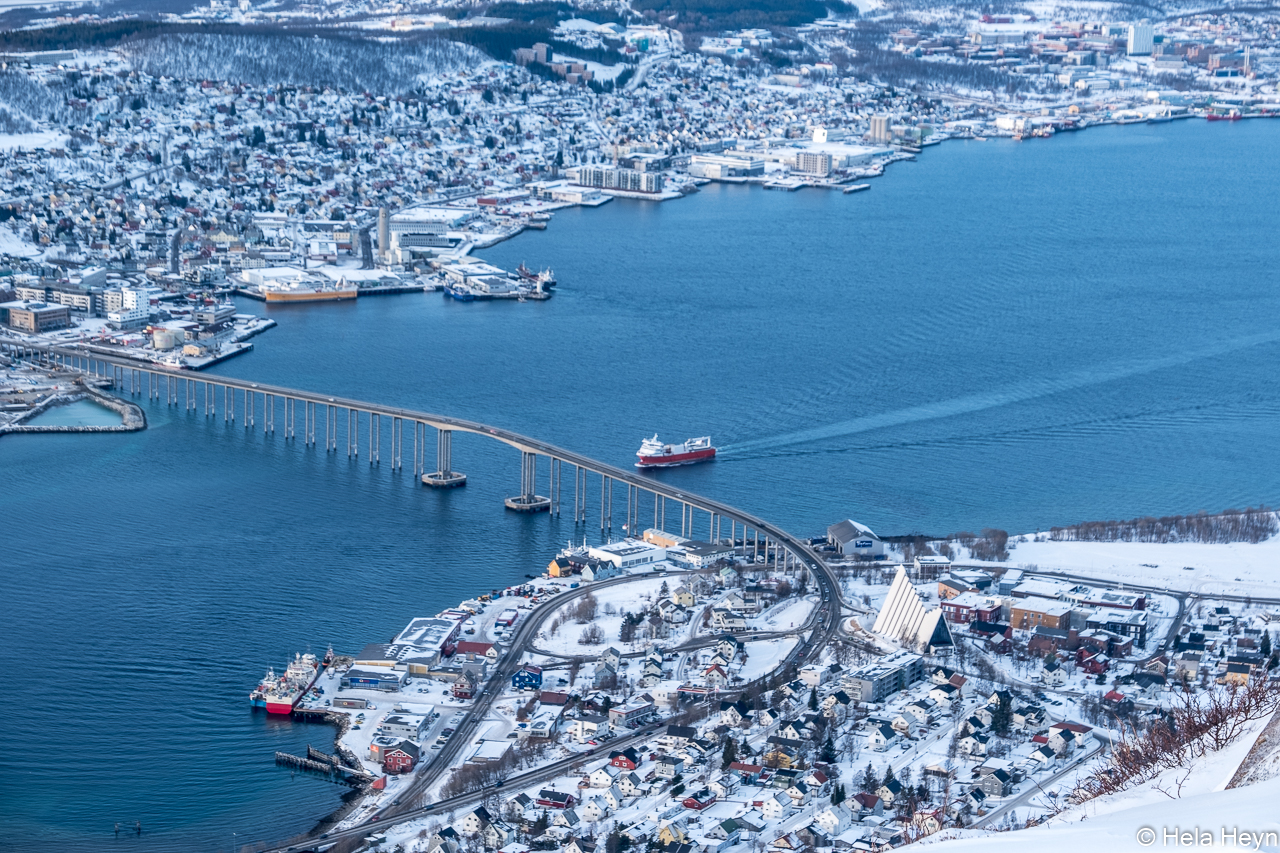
(736, 693)
(330, 167)
(644, 692)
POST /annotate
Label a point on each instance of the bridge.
(254, 402)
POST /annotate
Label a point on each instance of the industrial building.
(34, 317)
(628, 553)
(726, 165)
(854, 540)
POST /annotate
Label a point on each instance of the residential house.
(890, 792)
(834, 820)
(868, 804)
(777, 805)
(475, 820)
(528, 677)
(699, 800)
(669, 766)
(881, 737)
(593, 809)
(604, 777)
(626, 759)
(998, 783)
(550, 798)
(973, 744)
(734, 713)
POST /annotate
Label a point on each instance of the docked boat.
(460, 292)
(545, 279)
(654, 454)
(1229, 115)
(279, 695)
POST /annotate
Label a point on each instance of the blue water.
(1000, 334)
(79, 413)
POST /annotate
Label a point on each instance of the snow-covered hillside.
(264, 60)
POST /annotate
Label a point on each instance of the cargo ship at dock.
(544, 280)
(280, 695)
(654, 454)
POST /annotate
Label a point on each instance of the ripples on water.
(998, 334)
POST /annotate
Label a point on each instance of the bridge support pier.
(397, 442)
(528, 500)
(444, 477)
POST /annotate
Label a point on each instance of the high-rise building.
(880, 131)
(813, 163)
(1141, 40)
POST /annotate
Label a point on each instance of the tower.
(384, 234)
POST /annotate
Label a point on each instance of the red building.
(401, 758)
(700, 800)
(552, 799)
(1092, 662)
(627, 759)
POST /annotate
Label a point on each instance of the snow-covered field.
(629, 597)
(1139, 818)
(1237, 568)
(28, 141)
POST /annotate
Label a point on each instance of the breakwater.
(131, 415)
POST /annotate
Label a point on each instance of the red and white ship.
(655, 454)
(281, 695)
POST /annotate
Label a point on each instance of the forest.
(1232, 525)
(709, 16)
(350, 64)
(24, 101)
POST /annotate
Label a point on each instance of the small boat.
(459, 293)
(654, 454)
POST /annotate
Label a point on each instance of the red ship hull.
(669, 460)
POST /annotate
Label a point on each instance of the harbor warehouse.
(628, 552)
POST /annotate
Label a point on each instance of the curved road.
(824, 620)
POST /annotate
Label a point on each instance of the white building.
(1141, 40)
(904, 617)
(628, 553)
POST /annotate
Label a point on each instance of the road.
(1040, 785)
(410, 807)
(824, 620)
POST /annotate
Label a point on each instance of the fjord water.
(1000, 334)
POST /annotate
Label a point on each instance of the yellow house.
(671, 833)
(1237, 673)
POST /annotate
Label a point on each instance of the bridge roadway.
(824, 620)
(795, 548)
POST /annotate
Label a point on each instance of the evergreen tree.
(540, 825)
(813, 699)
(1266, 644)
(869, 781)
(730, 754)
(838, 795)
(1002, 715)
(828, 753)
(888, 775)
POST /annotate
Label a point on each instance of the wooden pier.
(328, 767)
